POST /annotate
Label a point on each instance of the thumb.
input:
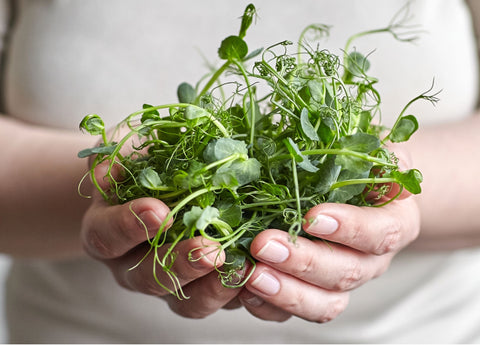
(104, 177)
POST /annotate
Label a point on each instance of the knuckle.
(150, 287)
(352, 276)
(184, 309)
(128, 227)
(145, 282)
(96, 245)
(383, 266)
(120, 279)
(334, 308)
(390, 242)
(355, 233)
(304, 268)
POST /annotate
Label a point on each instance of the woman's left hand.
(312, 278)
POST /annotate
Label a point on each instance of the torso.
(70, 58)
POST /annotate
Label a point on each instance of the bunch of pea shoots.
(231, 162)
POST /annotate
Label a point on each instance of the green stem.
(374, 180)
(401, 115)
(360, 155)
(177, 208)
(268, 203)
(157, 107)
(297, 194)
(225, 160)
(251, 95)
(212, 80)
(285, 83)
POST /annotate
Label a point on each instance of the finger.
(385, 192)
(394, 190)
(261, 309)
(104, 174)
(205, 296)
(295, 296)
(160, 273)
(328, 265)
(375, 230)
(233, 304)
(110, 231)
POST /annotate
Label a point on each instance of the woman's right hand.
(114, 235)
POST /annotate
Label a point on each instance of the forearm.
(449, 157)
(40, 209)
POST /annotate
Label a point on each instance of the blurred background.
(4, 263)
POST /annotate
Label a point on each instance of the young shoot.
(231, 165)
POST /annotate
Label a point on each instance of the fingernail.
(273, 252)
(322, 225)
(267, 284)
(149, 220)
(254, 300)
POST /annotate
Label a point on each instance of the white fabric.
(4, 261)
(70, 58)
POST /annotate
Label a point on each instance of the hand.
(312, 279)
(115, 236)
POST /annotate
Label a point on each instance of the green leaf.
(409, 179)
(354, 164)
(327, 130)
(326, 176)
(307, 127)
(403, 129)
(294, 150)
(193, 112)
(233, 48)
(225, 179)
(276, 191)
(151, 114)
(302, 161)
(247, 19)
(357, 63)
(200, 218)
(317, 90)
(209, 214)
(150, 179)
(360, 142)
(345, 193)
(207, 199)
(234, 261)
(231, 214)
(253, 54)
(364, 120)
(237, 173)
(192, 178)
(223, 148)
(102, 149)
(186, 93)
(93, 124)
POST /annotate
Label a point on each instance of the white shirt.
(70, 58)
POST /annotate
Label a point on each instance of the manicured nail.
(267, 284)
(273, 252)
(253, 300)
(150, 220)
(322, 225)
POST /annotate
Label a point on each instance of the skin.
(351, 263)
(39, 164)
(365, 242)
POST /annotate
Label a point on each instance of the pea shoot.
(264, 138)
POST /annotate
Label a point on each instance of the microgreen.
(230, 165)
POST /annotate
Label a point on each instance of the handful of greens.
(231, 164)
